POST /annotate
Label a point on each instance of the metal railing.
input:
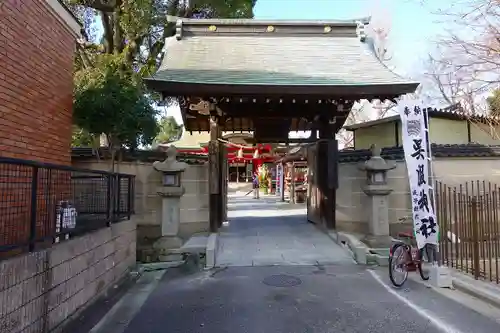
(469, 220)
(42, 204)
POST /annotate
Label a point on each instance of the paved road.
(333, 298)
(266, 232)
(321, 291)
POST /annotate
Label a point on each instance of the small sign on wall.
(65, 219)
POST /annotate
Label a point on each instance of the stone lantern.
(171, 191)
(377, 190)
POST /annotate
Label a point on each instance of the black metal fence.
(42, 204)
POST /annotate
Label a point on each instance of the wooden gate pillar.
(327, 171)
(214, 176)
(223, 181)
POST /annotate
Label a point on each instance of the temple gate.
(273, 77)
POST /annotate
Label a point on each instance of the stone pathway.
(268, 232)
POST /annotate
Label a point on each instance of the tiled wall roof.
(438, 150)
(137, 155)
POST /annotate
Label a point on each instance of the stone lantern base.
(166, 243)
(377, 191)
(378, 242)
(170, 191)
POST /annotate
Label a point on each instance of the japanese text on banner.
(417, 160)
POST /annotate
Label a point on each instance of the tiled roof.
(438, 150)
(390, 153)
(453, 112)
(190, 140)
(299, 53)
(137, 155)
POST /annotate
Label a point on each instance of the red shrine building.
(244, 157)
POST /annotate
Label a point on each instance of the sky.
(413, 26)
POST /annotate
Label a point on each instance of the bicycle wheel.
(397, 265)
(423, 274)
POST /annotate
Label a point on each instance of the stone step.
(166, 250)
(171, 257)
(195, 244)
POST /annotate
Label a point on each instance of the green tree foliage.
(81, 138)
(109, 98)
(109, 94)
(494, 103)
(169, 130)
(138, 28)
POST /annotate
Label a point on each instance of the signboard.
(279, 179)
(418, 163)
(65, 219)
(69, 218)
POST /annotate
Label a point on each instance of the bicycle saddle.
(405, 234)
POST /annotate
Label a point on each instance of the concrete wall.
(485, 134)
(383, 135)
(445, 131)
(455, 171)
(39, 291)
(351, 200)
(442, 131)
(194, 204)
(351, 215)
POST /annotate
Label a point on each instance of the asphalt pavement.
(280, 274)
(300, 299)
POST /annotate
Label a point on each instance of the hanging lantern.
(240, 153)
(256, 154)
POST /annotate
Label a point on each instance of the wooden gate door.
(323, 183)
(312, 187)
(225, 179)
(223, 174)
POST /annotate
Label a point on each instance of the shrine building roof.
(452, 112)
(246, 56)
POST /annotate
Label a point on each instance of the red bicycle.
(404, 257)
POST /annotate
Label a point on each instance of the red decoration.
(264, 151)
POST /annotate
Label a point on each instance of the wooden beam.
(285, 140)
(223, 183)
(247, 116)
(264, 110)
(214, 175)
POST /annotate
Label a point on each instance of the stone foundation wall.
(351, 200)
(194, 203)
(452, 171)
(40, 291)
(194, 211)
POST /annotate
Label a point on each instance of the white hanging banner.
(279, 175)
(417, 159)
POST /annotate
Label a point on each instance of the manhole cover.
(282, 280)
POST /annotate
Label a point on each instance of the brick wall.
(53, 186)
(40, 291)
(36, 65)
